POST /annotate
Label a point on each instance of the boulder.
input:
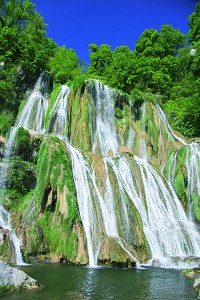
(12, 279)
(196, 285)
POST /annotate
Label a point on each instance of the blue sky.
(78, 23)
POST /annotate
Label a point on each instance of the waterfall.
(85, 203)
(171, 235)
(59, 114)
(168, 127)
(130, 138)
(168, 231)
(97, 211)
(5, 223)
(143, 147)
(82, 175)
(193, 170)
(31, 117)
(105, 126)
(33, 113)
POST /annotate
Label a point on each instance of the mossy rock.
(192, 273)
(113, 255)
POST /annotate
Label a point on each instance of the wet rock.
(12, 279)
(196, 285)
(124, 149)
(192, 273)
(110, 153)
(113, 255)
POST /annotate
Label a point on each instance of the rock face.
(124, 157)
(111, 254)
(196, 285)
(12, 279)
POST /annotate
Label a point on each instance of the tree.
(64, 66)
(100, 59)
(120, 72)
(194, 25)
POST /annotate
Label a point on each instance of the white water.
(168, 127)
(33, 113)
(143, 148)
(105, 126)
(167, 229)
(31, 117)
(59, 116)
(5, 223)
(85, 203)
(130, 138)
(193, 170)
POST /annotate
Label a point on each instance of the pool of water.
(61, 281)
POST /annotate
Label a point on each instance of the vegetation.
(162, 68)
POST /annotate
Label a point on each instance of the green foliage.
(54, 173)
(64, 65)
(100, 59)
(78, 82)
(7, 289)
(6, 121)
(59, 236)
(53, 169)
(194, 24)
(21, 178)
(179, 186)
(196, 206)
(54, 95)
(24, 50)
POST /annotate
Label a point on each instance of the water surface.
(60, 281)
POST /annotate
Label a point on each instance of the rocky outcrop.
(113, 255)
(194, 274)
(196, 285)
(12, 279)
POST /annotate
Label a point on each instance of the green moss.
(168, 163)
(7, 289)
(55, 176)
(80, 120)
(54, 95)
(78, 82)
(196, 206)
(179, 185)
(22, 104)
(59, 236)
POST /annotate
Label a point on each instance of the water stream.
(171, 235)
(31, 117)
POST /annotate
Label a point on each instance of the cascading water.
(97, 212)
(31, 117)
(168, 231)
(193, 170)
(33, 113)
(59, 116)
(105, 127)
(168, 127)
(130, 138)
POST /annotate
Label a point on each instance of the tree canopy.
(165, 63)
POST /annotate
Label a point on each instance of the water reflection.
(74, 283)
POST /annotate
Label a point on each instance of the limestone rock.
(124, 149)
(14, 279)
(196, 284)
(113, 255)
